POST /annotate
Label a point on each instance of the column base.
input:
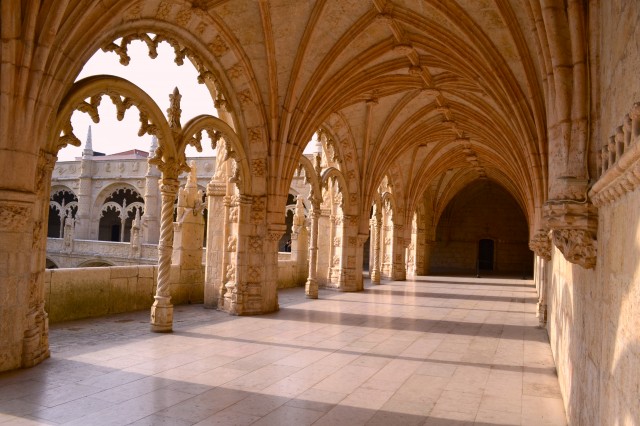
(375, 277)
(311, 289)
(162, 315)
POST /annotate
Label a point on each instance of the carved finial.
(88, 146)
(174, 111)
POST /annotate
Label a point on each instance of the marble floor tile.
(427, 351)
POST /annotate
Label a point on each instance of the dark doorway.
(485, 255)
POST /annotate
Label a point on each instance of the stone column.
(311, 286)
(541, 281)
(216, 240)
(162, 309)
(349, 269)
(83, 216)
(376, 228)
(540, 244)
(35, 334)
(300, 243)
(360, 240)
(323, 260)
(187, 251)
(398, 263)
(150, 223)
(123, 219)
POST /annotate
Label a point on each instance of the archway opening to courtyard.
(119, 211)
(482, 230)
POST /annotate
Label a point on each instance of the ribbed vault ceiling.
(445, 92)
(435, 88)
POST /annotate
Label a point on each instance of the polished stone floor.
(430, 351)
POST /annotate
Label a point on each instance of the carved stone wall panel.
(14, 217)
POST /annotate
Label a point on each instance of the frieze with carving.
(619, 162)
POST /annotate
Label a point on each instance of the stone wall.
(481, 210)
(594, 315)
(291, 273)
(594, 321)
(84, 293)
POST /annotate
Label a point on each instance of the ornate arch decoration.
(387, 198)
(63, 209)
(217, 129)
(311, 178)
(335, 176)
(337, 129)
(86, 95)
(222, 65)
(56, 189)
(122, 211)
(99, 201)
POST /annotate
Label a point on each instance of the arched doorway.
(485, 254)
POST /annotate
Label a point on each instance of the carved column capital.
(574, 225)
(540, 244)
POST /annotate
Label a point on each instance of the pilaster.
(218, 212)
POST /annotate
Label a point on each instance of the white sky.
(157, 77)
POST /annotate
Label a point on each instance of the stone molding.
(574, 225)
(619, 162)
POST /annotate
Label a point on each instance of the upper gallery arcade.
(420, 105)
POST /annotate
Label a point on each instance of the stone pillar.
(135, 245)
(399, 265)
(376, 228)
(349, 270)
(540, 244)
(228, 292)
(28, 249)
(187, 251)
(162, 309)
(386, 250)
(300, 243)
(541, 283)
(217, 223)
(123, 219)
(311, 286)
(360, 240)
(85, 193)
(150, 224)
(324, 247)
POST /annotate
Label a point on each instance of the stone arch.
(337, 127)
(50, 264)
(95, 263)
(100, 205)
(233, 148)
(482, 209)
(63, 204)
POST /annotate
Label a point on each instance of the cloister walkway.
(432, 351)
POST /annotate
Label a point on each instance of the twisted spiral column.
(162, 309)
